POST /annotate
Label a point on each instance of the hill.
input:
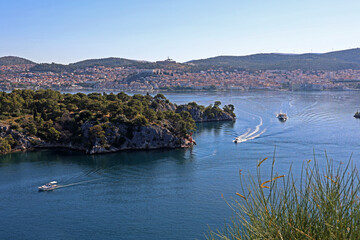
(11, 60)
(109, 62)
(345, 59)
(331, 61)
(118, 62)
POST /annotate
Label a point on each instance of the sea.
(177, 193)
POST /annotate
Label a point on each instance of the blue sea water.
(174, 194)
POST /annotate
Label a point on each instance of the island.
(99, 123)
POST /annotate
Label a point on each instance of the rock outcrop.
(22, 141)
(201, 115)
(124, 137)
(117, 137)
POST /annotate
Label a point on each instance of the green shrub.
(323, 204)
(140, 120)
(4, 146)
(53, 134)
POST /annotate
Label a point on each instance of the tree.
(159, 96)
(4, 146)
(71, 107)
(31, 128)
(123, 96)
(85, 115)
(97, 132)
(229, 109)
(150, 114)
(113, 107)
(53, 134)
(10, 140)
(140, 120)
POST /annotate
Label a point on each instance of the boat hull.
(45, 188)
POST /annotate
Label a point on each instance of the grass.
(320, 204)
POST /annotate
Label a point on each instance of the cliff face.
(117, 137)
(201, 115)
(122, 137)
(22, 142)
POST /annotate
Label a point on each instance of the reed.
(320, 204)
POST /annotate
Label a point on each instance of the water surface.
(173, 194)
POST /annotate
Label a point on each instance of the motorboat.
(357, 115)
(282, 117)
(49, 186)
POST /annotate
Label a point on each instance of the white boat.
(282, 117)
(49, 186)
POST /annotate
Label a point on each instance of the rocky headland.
(98, 123)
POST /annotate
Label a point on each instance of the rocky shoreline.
(118, 138)
(100, 123)
(142, 138)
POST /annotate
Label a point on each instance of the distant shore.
(154, 91)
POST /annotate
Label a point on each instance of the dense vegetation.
(59, 118)
(56, 117)
(322, 204)
(210, 113)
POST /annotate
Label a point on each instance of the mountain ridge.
(335, 60)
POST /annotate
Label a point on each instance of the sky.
(67, 31)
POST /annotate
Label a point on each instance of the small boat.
(357, 115)
(48, 187)
(282, 117)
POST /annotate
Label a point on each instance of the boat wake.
(77, 183)
(248, 135)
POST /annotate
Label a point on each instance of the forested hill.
(99, 123)
(10, 60)
(345, 59)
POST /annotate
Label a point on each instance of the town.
(102, 78)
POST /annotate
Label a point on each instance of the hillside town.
(133, 79)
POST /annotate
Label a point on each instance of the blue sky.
(67, 31)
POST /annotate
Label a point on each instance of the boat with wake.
(250, 135)
(357, 115)
(48, 187)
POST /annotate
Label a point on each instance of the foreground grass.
(321, 204)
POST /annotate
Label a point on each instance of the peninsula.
(99, 123)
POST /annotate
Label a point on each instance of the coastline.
(100, 123)
(154, 91)
(187, 143)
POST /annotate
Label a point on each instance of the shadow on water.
(213, 127)
(127, 157)
(51, 156)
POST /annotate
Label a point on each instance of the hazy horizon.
(184, 61)
(70, 31)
